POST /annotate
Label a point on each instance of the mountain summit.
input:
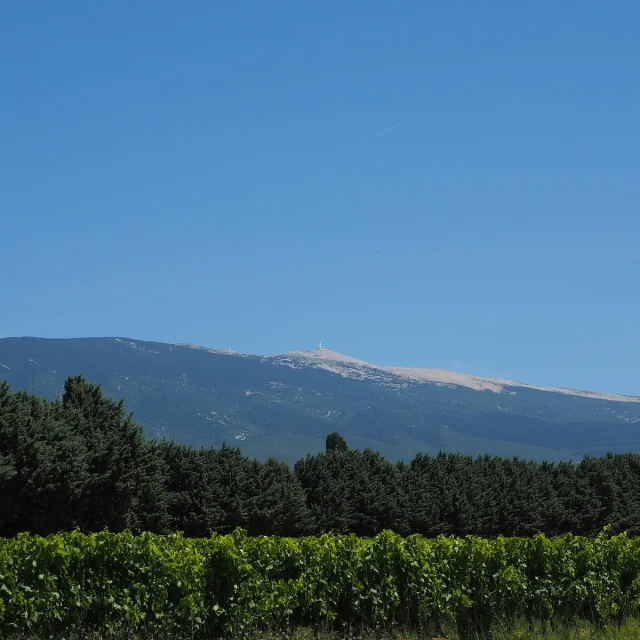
(352, 368)
(284, 405)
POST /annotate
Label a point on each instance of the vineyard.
(235, 585)
(80, 464)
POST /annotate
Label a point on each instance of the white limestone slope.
(334, 362)
(353, 368)
(399, 376)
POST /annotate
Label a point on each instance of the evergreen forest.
(81, 462)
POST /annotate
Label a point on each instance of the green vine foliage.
(234, 586)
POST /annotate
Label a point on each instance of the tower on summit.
(319, 346)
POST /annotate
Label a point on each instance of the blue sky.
(199, 172)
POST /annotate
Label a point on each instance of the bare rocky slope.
(284, 405)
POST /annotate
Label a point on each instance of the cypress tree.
(124, 489)
(335, 442)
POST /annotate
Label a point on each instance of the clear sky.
(205, 172)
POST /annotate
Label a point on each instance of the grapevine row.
(233, 585)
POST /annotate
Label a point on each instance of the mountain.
(285, 405)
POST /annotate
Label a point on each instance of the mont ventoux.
(285, 405)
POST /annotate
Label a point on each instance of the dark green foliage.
(81, 462)
(194, 507)
(352, 492)
(277, 503)
(218, 490)
(43, 466)
(123, 488)
(335, 442)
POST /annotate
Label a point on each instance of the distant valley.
(285, 405)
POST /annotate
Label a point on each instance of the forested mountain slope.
(285, 405)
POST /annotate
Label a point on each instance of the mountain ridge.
(417, 374)
(284, 405)
(426, 374)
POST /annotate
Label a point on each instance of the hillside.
(284, 405)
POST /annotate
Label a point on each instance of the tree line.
(82, 462)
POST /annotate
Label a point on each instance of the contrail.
(375, 135)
